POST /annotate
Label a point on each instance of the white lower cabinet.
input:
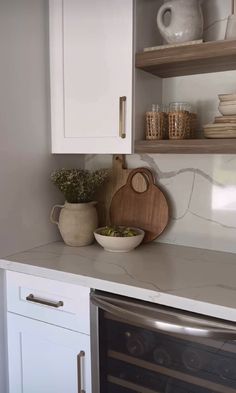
(47, 359)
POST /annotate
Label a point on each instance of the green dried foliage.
(78, 185)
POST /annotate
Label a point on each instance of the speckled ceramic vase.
(186, 21)
(77, 222)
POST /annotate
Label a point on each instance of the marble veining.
(196, 172)
(150, 160)
(216, 14)
(188, 278)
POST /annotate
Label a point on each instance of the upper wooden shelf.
(189, 60)
(187, 146)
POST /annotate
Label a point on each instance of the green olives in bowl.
(118, 231)
(119, 238)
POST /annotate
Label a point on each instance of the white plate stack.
(225, 125)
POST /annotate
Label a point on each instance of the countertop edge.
(161, 298)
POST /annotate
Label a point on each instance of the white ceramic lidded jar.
(186, 21)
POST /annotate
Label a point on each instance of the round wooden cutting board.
(147, 210)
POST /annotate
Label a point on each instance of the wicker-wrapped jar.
(178, 123)
(179, 120)
(192, 126)
(156, 125)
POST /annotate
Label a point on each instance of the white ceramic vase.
(77, 222)
(186, 21)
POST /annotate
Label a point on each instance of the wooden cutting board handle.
(147, 175)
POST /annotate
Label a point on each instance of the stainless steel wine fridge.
(139, 347)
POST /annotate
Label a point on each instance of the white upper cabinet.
(91, 54)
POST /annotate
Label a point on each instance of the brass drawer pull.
(80, 357)
(122, 131)
(34, 299)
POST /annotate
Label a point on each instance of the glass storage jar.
(179, 107)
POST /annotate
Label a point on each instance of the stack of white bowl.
(227, 105)
(224, 126)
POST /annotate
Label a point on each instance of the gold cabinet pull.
(122, 131)
(80, 359)
(34, 299)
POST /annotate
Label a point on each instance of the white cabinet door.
(91, 51)
(45, 359)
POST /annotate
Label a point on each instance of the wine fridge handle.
(170, 323)
(80, 357)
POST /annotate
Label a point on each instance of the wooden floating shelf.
(189, 60)
(187, 146)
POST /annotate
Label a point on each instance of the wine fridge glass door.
(135, 358)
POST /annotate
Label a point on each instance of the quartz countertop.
(187, 278)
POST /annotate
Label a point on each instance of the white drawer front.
(66, 305)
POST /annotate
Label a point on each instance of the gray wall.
(26, 194)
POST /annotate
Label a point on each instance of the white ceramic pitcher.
(77, 222)
(186, 21)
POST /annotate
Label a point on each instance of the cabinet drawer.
(54, 302)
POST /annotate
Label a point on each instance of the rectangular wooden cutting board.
(117, 178)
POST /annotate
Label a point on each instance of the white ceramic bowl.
(225, 103)
(227, 97)
(119, 244)
(228, 110)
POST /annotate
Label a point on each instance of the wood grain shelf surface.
(189, 60)
(187, 146)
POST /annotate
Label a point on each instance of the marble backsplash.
(215, 13)
(202, 194)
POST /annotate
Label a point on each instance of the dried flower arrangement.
(78, 185)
